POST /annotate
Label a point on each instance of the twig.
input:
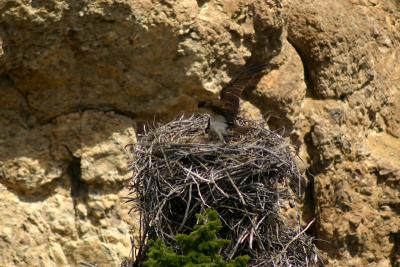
(83, 263)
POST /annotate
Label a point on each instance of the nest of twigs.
(179, 171)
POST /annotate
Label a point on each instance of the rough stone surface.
(79, 78)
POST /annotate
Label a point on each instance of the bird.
(223, 112)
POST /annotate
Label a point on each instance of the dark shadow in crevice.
(79, 188)
(308, 209)
(395, 252)
(310, 91)
(200, 3)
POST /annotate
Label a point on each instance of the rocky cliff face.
(78, 78)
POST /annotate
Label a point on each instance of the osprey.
(224, 112)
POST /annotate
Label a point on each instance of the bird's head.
(212, 107)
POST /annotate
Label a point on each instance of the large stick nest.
(179, 171)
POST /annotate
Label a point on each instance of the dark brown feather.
(230, 94)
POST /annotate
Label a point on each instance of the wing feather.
(230, 94)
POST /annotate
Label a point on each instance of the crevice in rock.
(309, 204)
(395, 252)
(79, 189)
(307, 79)
(353, 244)
(200, 3)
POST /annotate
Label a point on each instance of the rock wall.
(79, 78)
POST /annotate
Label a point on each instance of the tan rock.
(78, 78)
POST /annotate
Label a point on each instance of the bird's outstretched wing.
(230, 94)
